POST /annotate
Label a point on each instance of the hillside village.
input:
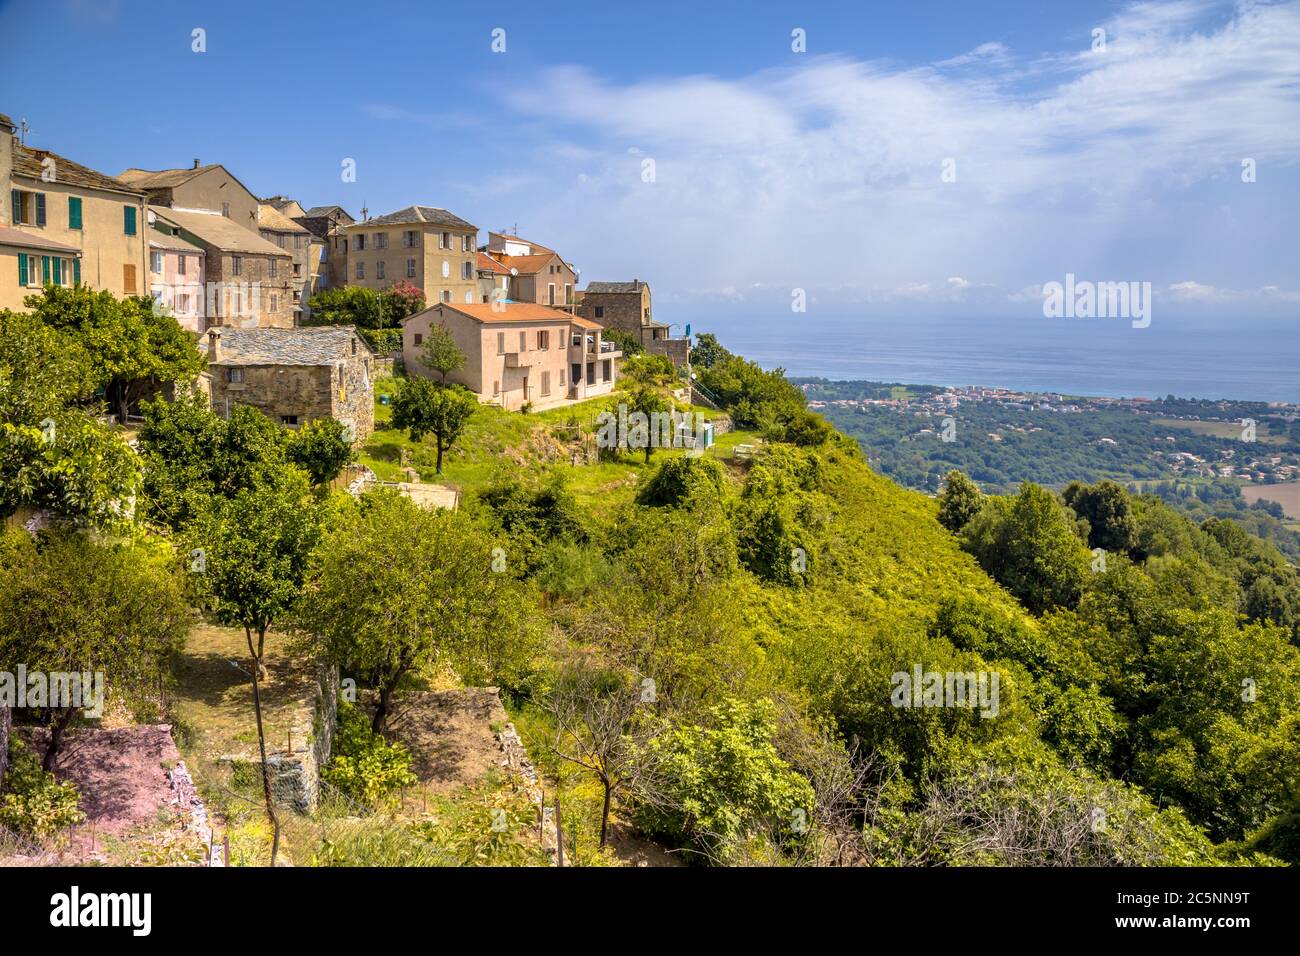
(343, 542)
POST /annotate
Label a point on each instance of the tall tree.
(396, 590)
(440, 353)
(424, 408)
(254, 548)
(959, 501)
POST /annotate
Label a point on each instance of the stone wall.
(277, 391)
(676, 349)
(5, 719)
(295, 777)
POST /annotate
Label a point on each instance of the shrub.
(681, 479)
(33, 803)
(365, 766)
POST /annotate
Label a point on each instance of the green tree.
(422, 407)
(349, 305)
(708, 351)
(71, 605)
(959, 501)
(397, 590)
(679, 480)
(440, 353)
(1105, 506)
(134, 347)
(401, 300)
(254, 548)
(1030, 545)
(321, 448)
(53, 452)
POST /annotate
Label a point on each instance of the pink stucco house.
(518, 352)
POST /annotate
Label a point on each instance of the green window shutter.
(40, 209)
(22, 268)
(128, 220)
(74, 212)
(57, 263)
(45, 270)
(16, 202)
(76, 272)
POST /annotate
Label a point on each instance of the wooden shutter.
(76, 272)
(45, 270)
(128, 277)
(16, 204)
(57, 265)
(74, 212)
(128, 220)
(40, 209)
(22, 269)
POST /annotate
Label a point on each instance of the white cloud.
(828, 174)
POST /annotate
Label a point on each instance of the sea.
(1244, 359)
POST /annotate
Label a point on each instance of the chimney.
(196, 163)
(214, 345)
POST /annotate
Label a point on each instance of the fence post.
(559, 833)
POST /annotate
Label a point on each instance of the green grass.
(1217, 429)
(498, 442)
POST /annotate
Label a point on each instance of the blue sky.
(773, 170)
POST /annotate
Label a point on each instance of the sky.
(913, 159)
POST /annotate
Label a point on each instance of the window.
(496, 388)
(76, 272)
(466, 244)
(359, 242)
(128, 218)
(550, 293)
(24, 274)
(381, 240)
(577, 338)
(546, 383)
(183, 304)
(57, 265)
(379, 269)
(225, 209)
(446, 241)
(561, 378)
(236, 265)
(568, 293)
(297, 270)
(543, 340)
(410, 268)
(419, 339)
(446, 269)
(523, 341)
(446, 295)
(410, 239)
(501, 343)
(289, 420)
(234, 375)
(274, 270)
(128, 279)
(467, 270)
(605, 370)
(74, 212)
(156, 262)
(297, 296)
(600, 311)
(297, 241)
(180, 265)
(275, 303)
(28, 208)
(469, 296)
(361, 270)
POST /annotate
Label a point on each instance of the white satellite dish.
(514, 271)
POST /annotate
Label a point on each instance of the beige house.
(211, 188)
(249, 280)
(429, 247)
(63, 223)
(537, 274)
(293, 375)
(278, 229)
(518, 352)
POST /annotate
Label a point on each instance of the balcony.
(523, 359)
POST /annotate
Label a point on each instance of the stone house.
(293, 376)
(626, 306)
(518, 352)
(176, 275)
(277, 228)
(326, 224)
(429, 247)
(249, 281)
(64, 223)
